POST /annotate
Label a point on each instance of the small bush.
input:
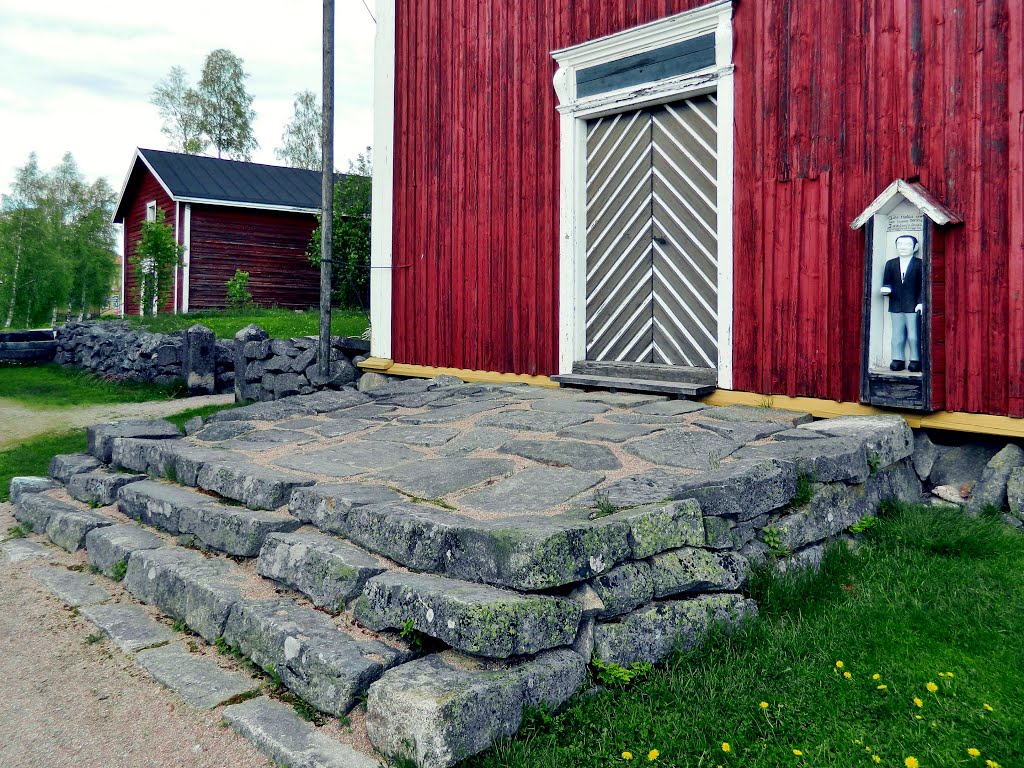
(117, 573)
(238, 291)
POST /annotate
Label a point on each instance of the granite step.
(65, 523)
(474, 618)
(438, 710)
(313, 657)
(99, 487)
(110, 547)
(64, 465)
(182, 511)
(615, 384)
(327, 570)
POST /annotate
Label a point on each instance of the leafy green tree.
(351, 243)
(56, 244)
(225, 107)
(238, 296)
(180, 111)
(156, 256)
(303, 136)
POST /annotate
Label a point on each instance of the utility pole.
(327, 193)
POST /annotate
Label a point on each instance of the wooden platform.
(641, 377)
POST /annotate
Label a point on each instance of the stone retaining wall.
(269, 369)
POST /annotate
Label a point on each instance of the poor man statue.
(902, 283)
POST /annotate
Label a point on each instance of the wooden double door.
(652, 235)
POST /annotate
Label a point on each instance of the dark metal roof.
(210, 179)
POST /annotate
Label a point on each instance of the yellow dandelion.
(876, 758)
(992, 764)
(763, 705)
(857, 741)
(949, 674)
(932, 687)
(883, 687)
(627, 755)
(839, 664)
(726, 747)
(798, 753)
(911, 762)
(653, 755)
(988, 708)
(876, 676)
(918, 702)
(867, 749)
(974, 752)
(933, 724)
(847, 675)
(918, 717)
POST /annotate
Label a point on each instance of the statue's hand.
(919, 309)
(886, 290)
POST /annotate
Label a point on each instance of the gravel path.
(64, 702)
(19, 422)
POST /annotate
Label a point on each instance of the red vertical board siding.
(830, 108)
(269, 245)
(143, 188)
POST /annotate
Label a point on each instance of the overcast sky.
(76, 76)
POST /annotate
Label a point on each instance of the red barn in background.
(228, 215)
(585, 186)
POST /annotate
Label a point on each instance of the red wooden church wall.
(830, 107)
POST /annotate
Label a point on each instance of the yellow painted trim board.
(477, 377)
(981, 423)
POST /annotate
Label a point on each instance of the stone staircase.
(445, 624)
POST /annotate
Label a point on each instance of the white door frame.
(575, 111)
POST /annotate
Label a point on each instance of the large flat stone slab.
(327, 401)
(128, 626)
(476, 439)
(159, 504)
(225, 430)
(425, 437)
(68, 529)
(611, 433)
(256, 486)
(620, 399)
(36, 509)
(233, 530)
(697, 449)
(21, 486)
(110, 547)
(563, 453)
(651, 633)
(740, 431)
(267, 439)
(745, 413)
(433, 478)
(417, 536)
(670, 407)
(186, 586)
(75, 589)
(829, 460)
(535, 489)
(99, 487)
(64, 465)
(101, 436)
(742, 490)
(569, 405)
(20, 550)
(279, 733)
(436, 712)
(456, 412)
(328, 571)
(350, 458)
(198, 680)
(326, 505)
(174, 459)
(475, 618)
(371, 411)
(277, 410)
(534, 421)
(315, 659)
(887, 439)
(341, 427)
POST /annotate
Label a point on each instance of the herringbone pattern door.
(652, 274)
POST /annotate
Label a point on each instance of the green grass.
(928, 592)
(53, 386)
(33, 457)
(278, 323)
(179, 419)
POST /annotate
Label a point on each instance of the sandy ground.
(18, 422)
(64, 702)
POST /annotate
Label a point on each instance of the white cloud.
(76, 76)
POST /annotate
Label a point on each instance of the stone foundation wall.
(270, 369)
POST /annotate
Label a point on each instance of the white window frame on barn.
(576, 110)
(151, 210)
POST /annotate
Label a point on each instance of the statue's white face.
(905, 246)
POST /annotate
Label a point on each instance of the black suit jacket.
(906, 293)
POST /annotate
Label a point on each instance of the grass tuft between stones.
(929, 596)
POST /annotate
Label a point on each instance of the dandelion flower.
(867, 749)
(726, 747)
(627, 755)
(839, 664)
(653, 755)
(911, 762)
(974, 752)
(763, 705)
(857, 741)
(932, 687)
(876, 676)
(988, 708)
(798, 753)
(876, 758)
(847, 675)
(949, 674)
(933, 724)
(883, 687)
(918, 702)
(918, 717)
(992, 764)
